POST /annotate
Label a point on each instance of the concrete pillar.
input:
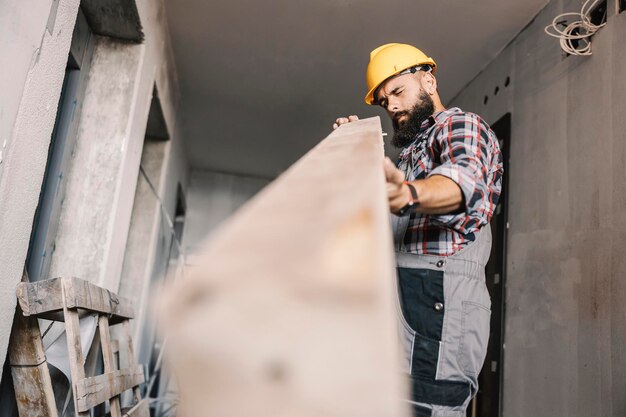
(96, 212)
(148, 243)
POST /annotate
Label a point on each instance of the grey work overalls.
(444, 311)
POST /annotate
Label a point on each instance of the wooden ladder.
(66, 299)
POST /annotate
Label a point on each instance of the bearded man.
(442, 195)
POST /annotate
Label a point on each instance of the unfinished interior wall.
(565, 318)
(22, 51)
(150, 241)
(35, 41)
(213, 197)
(97, 209)
(95, 179)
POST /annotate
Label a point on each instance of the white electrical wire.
(578, 30)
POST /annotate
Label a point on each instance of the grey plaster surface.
(263, 81)
(27, 26)
(145, 218)
(94, 178)
(36, 40)
(565, 327)
(32, 69)
(148, 245)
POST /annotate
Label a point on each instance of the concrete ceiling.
(262, 81)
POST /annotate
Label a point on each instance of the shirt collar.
(438, 117)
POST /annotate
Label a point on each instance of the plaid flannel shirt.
(462, 147)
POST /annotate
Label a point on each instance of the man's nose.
(392, 105)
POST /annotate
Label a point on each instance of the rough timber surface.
(74, 351)
(29, 369)
(109, 361)
(42, 298)
(97, 389)
(290, 309)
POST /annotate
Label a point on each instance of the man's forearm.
(438, 195)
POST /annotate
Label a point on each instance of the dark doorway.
(488, 401)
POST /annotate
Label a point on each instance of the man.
(442, 194)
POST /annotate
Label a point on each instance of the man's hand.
(343, 120)
(436, 194)
(398, 193)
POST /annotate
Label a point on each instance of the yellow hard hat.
(389, 60)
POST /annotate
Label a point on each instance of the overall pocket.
(475, 337)
(421, 300)
(421, 303)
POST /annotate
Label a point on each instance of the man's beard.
(404, 135)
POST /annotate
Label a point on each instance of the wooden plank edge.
(40, 297)
(29, 369)
(85, 295)
(21, 291)
(97, 389)
(43, 299)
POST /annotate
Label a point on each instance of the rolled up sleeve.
(470, 156)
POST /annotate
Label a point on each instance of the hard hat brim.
(369, 97)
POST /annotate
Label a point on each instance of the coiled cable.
(575, 37)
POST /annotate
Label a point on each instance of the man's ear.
(429, 83)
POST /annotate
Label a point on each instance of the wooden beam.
(130, 355)
(41, 298)
(85, 295)
(74, 348)
(290, 309)
(109, 361)
(95, 390)
(29, 369)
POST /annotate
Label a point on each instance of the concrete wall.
(27, 22)
(35, 43)
(565, 324)
(150, 239)
(212, 198)
(35, 39)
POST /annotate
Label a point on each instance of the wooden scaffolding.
(66, 300)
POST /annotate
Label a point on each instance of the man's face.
(407, 104)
